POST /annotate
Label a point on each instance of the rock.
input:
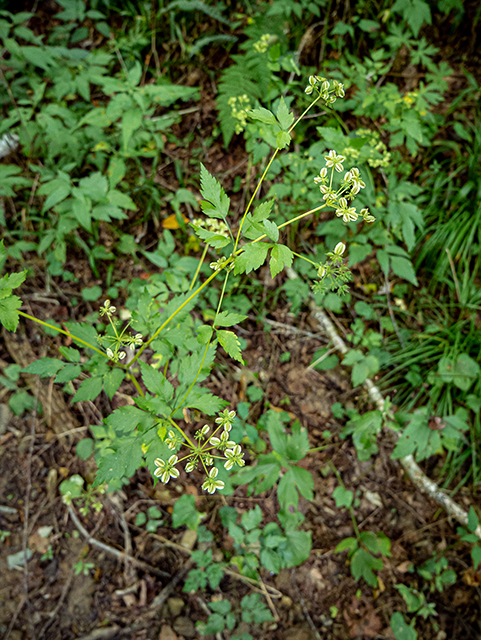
(5, 415)
(175, 606)
(188, 539)
(185, 627)
(167, 633)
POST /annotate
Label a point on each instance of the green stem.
(191, 444)
(261, 180)
(253, 196)
(172, 316)
(298, 255)
(206, 349)
(202, 258)
(304, 113)
(133, 379)
(285, 224)
(65, 333)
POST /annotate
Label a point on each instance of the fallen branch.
(413, 470)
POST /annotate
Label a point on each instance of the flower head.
(200, 434)
(211, 484)
(225, 419)
(234, 456)
(107, 309)
(174, 440)
(333, 160)
(166, 470)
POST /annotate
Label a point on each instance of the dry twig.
(413, 470)
(120, 555)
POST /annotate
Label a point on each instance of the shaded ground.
(115, 599)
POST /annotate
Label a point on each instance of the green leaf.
(265, 474)
(197, 5)
(263, 211)
(285, 117)
(281, 256)
(252, 257)
(362, 566)
(84, 448)
(207, 402)
(11, 281)
(94, 186)
(286, 491)
(299, 545)
(70, 354)
(82, 330)
(465, 372)
(476, 556)
(216, 203)
(303, 481)
(156, 382)
(9, 179)
(57, 190)
(215, 240)
(229, 318)
(403, 268)
(44, 367)
(473, 521)
(358, 252)
(112, 381)
(252, 518)
(365, 368)
(9, 312)
(401, 630)
(91, 294)
(89, 389)
(263, 115)
(347, 544)
(230, 342)
(68, 373)
(343, 497)
(283, 139)
(127, 418)
(140, 519)
(204, 333)
(131, 121)
(116, 171)
(185, 513)
(271, 230)
(383, 260)
(124, 462)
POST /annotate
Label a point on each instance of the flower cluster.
(376, 145)
(334, 274)
(240, 106)
(222, 263)
(214, 225)
(323, 87)
(264, 43)
(350, 186)
(201, 454)
(117, 341)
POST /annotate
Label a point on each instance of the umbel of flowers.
(334, 274)
(202, 452)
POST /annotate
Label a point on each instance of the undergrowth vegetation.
(349, 152)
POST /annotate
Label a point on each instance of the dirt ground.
(123, 599)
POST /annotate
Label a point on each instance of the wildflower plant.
(202, 454)
(117, 341)
(152, 432)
